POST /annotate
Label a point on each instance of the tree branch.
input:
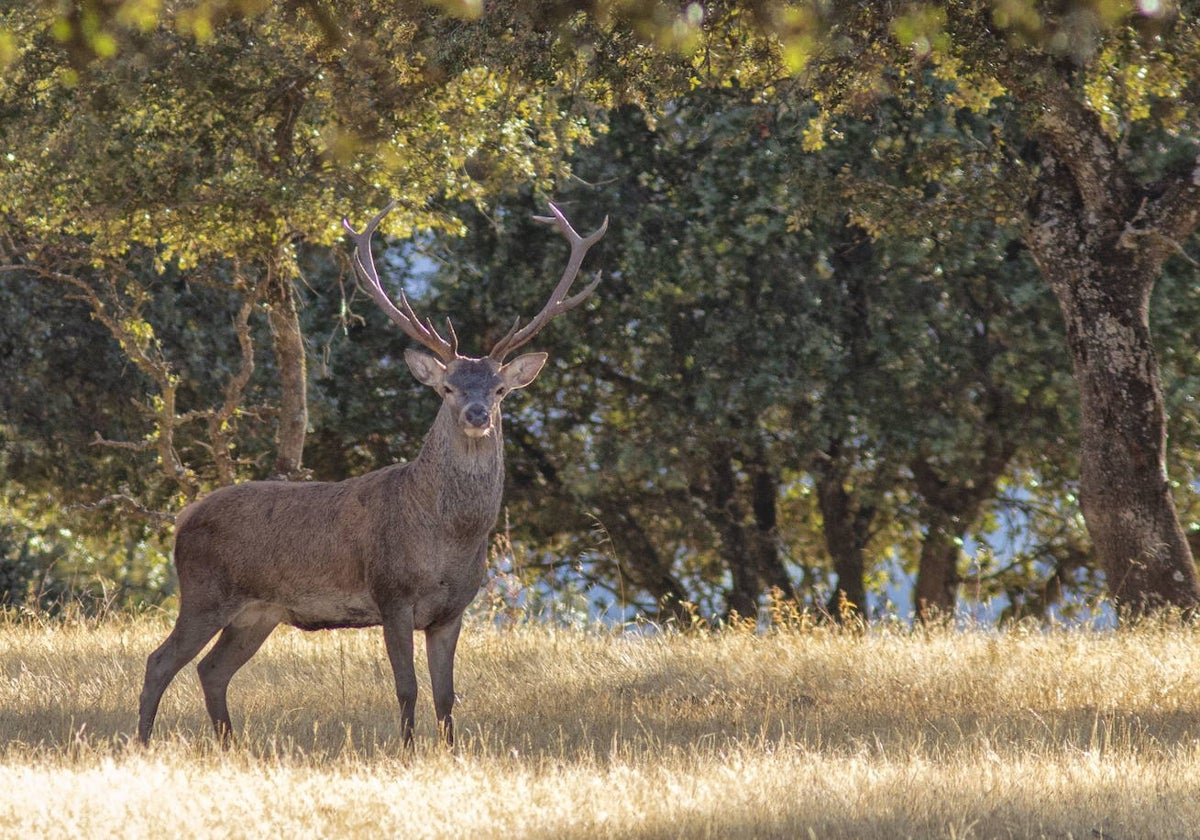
(1076, 139)
(1162, 225)
(125, 500)
(132, 445)
(220, 420)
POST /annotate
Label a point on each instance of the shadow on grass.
(563, 725)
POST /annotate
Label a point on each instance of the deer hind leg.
(193, 630)
(239, 641)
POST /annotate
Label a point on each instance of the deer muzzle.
(477, 420)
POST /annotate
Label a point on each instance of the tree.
(1111, 193)
(222, 149)
(754, 349)
(1103, 94)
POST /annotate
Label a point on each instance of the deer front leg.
(440, 644)
(398, 636)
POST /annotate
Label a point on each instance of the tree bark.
(287, 341)
(936, 593)
(948, 506)
(1125, 494)
(1100, 240)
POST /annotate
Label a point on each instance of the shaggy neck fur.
(466, 474)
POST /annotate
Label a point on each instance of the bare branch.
(125, 500)
(132, 445)
(145, 353)
(1170, 219)
(220, 428)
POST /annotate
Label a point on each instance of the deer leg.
(440, 644)
(239, 641)
(191, 633)
(398, 636)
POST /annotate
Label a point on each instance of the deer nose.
(477, 415)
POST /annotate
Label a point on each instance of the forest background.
(876, 298)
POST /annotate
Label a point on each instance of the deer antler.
(558, 303)
(405, 318)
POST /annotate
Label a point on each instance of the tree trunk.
(1101, 242)
(287, 341)
(764, 499)
(1125, 495)
(1101, 239)
(951, 498)
(845, 527)
(728, 516)
(936, 594)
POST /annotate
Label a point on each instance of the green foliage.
(172, 145)
(814, 269)
(202, 155)
(745, 317)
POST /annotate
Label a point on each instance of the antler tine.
(403, 316)
(558, 303)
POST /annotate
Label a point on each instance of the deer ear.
(428, 370)
(522, 370)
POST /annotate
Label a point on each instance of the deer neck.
(452, 449)
(465, 475)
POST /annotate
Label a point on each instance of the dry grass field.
(570, 733)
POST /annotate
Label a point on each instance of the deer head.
(473, 388)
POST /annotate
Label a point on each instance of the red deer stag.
(403, 547)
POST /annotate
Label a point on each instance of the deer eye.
(447, 390)
(500, 391)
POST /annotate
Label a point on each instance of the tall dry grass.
(570, 733)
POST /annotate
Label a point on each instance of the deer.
(403, 547)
